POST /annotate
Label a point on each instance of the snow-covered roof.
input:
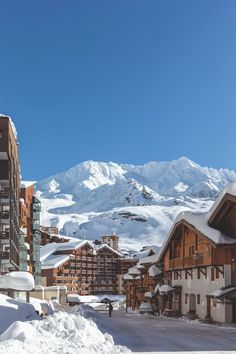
(109, 248)
(229, 189)
(73, 245)
(146, 252)
(165, 289)
(149, 294)
(127, 276)
(149, 259)
(26, 184)
(222, 292)
(200, 221)
(54, 261)
(50, 260)
(153, 271)
(47, 250)
(134, 270)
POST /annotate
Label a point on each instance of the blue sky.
(124, 81)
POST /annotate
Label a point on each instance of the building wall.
(89, 272)
(202, 287)
(9, 201)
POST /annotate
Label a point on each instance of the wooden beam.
(203, 271)
(220, 270)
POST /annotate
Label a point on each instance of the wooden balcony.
(65, 278)
(190, 261)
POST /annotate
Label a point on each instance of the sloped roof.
(51, 260)
(150, 259)
(99, 248)
(54, 261)
(200, 222)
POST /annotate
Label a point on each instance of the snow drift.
(63, 332)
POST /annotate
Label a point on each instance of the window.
(191, 250)
(186, 298)
(198, 299)
(212, 274)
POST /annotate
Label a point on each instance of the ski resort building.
(9, 196)
(51, 234)
(140, 282)
(195, 273)
(29, 245)
(199, 262)
(83, 267)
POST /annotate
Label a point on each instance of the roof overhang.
(223, 217)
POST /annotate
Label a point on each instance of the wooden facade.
(138, 283)
(87, 270)
(199, 264)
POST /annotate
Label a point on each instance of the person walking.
(110, 309)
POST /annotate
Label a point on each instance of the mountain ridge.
(92, 197)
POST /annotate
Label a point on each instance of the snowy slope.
(140, 202)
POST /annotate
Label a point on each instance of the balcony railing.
(185, 262)
(61, 277)
(4, 215)
(4, 235)
(4, 255)
(36, 215)
(4, 194)
(35, 226)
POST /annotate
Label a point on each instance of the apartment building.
(86, 268)
(29, 246)
(9, 196)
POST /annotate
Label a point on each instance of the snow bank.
(18, 330)
(12, 310)
(63, 332)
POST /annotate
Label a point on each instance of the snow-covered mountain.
(140, 202)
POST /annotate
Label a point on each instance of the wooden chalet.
(141, 280)
(199, 262)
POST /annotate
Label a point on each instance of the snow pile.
(12, 310)
(43, 307)
(60, 333)
(22, 281)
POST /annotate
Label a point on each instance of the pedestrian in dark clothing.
(110, 309)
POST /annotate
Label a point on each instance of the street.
(147, 333)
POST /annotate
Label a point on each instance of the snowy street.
(152, 334)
